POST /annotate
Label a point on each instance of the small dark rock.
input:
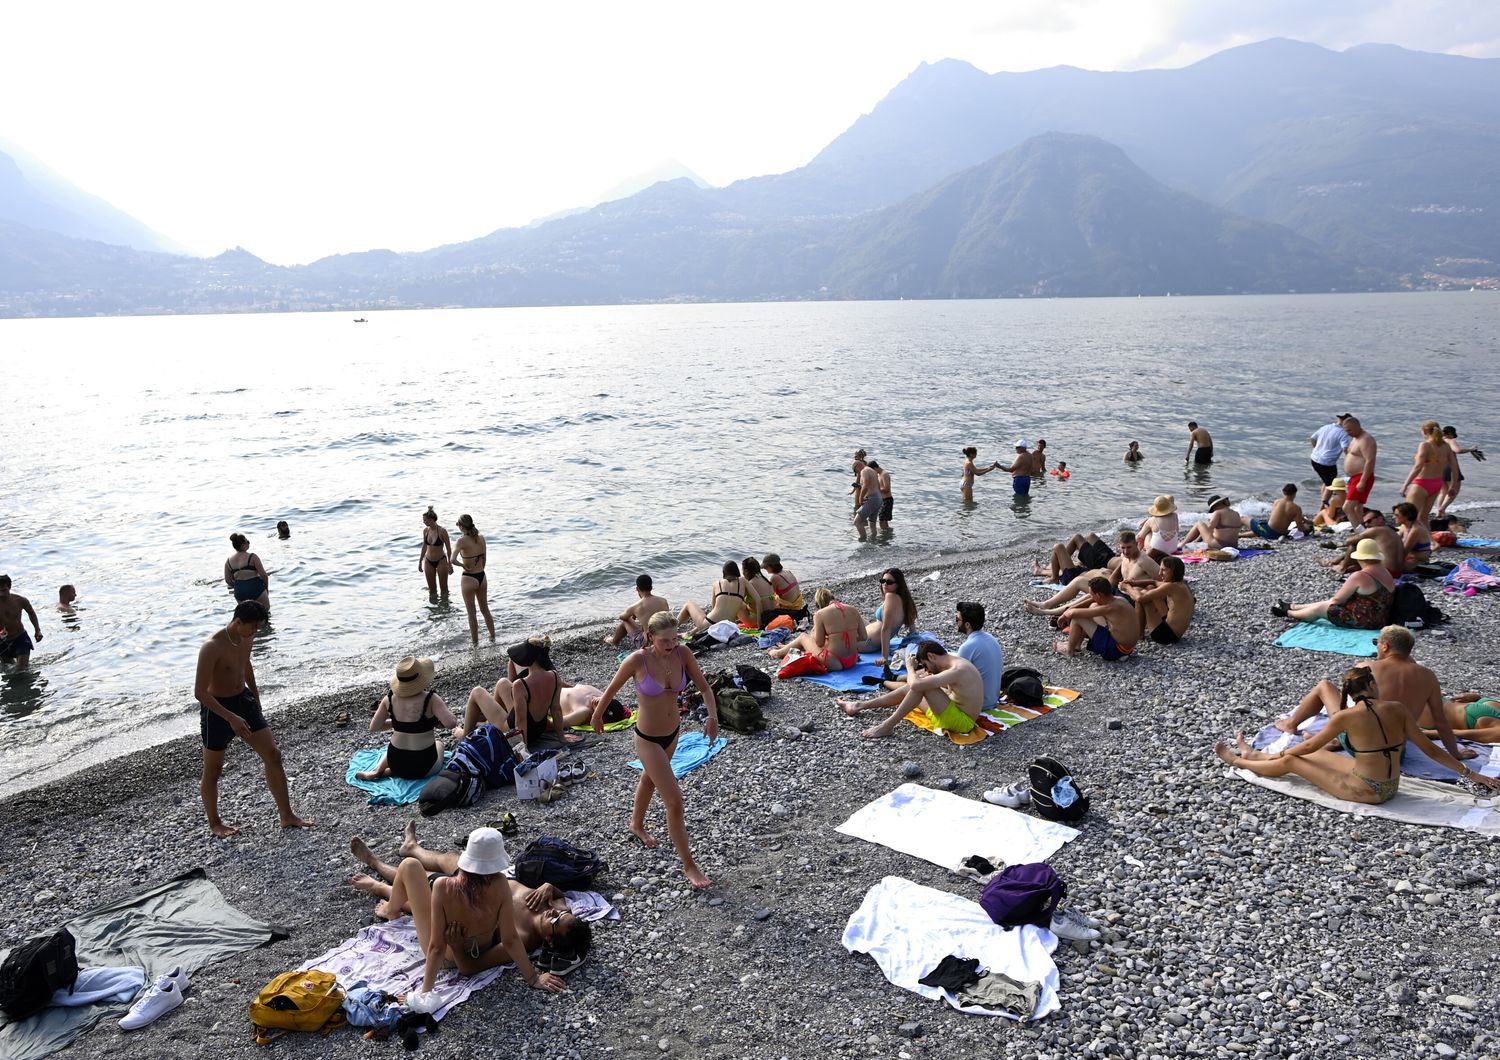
(910, 1030)
(1114, 724)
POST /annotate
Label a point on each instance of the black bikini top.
(426, 723)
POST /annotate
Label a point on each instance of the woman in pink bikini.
(835, 637)
(661, 670)
(1424, 483)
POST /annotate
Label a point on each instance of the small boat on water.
(360, 320)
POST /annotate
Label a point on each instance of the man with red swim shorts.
(1359, 469)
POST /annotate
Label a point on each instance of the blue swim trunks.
(1261, 528)
(1102, 643)
(17, 647)
(1021, 484)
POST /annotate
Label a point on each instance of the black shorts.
(1163, 634)
(1067, 574)
(886, 504)
(408, 764)
(1204, 455)
(1326, 472)
(217, 732)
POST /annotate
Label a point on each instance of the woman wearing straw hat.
(1362, 602)
(467, 918)
(1332, 512)
(1161, 524)
(411, 711)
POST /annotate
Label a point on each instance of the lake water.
(591, 444)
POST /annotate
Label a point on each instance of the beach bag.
(536, 775)
(33, 970)
(801, 666)
(297, 1001)
(1410, 608)
(560, 863)
(1055, 793)
(1023, 687)
(749, 678)
(1443, 538)
(738, 710)
(486, 753)
(781, 622)
(1023, 894)
(457, 785)
(365, 1006)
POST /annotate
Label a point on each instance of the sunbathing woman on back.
(1374, 731)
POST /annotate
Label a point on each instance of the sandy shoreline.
(1256, 927)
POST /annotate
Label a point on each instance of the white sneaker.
(1012, 795)
(1067, 924)
(163, 996)
(179, 976)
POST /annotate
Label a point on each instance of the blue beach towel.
(1323, 635)
(1477, 542)
(390, 791)
(849, 680)
(692, 751)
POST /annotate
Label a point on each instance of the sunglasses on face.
(887, 581)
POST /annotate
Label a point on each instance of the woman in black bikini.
(1373, 731)
(436, 557)
(661, 670)
(411, 711)
(528, 698)
(244, 573)
(726, 601)
(468, 550)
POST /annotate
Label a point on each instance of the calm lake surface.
(592, 444)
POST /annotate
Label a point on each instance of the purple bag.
(1023, 894)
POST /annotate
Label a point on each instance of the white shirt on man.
(1329, 443)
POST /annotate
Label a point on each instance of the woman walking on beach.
(244, 573)
(1362, 602)
(897, 609)
(411, 711)
(1374, 731)
(1424, 482)
(835, 637)
(469, 551)
(661, 670)
(971, 469)
(436, 558)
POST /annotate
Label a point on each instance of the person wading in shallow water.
(229, 706)
(15, 645)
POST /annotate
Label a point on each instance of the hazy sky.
(310, 128)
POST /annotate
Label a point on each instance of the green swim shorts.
(952, 719)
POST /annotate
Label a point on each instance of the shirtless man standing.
(951, 691)
(1359, 469)
(1167, 608)
(66, 594)
(866, 500)
(1106, 623)
(15, 645)
(632, 621)
(1198, 436)
(229, 706)
(1399, 678)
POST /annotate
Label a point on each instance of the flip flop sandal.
(507, 825)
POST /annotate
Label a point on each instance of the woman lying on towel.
(1374, 731)
(1362, 602)
(467, 918)
(1474, 717)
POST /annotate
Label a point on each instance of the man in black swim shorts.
(229, 706)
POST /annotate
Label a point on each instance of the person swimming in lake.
(468, 550)
(283, 531)
(1133, 454)
(411, 712)
(726, 600)
(972, 469)
(661, 670)
(435, 558)
(835, 637)
(245, 575)
(1373, 731)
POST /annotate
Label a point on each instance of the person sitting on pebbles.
(1167, 609)
(1285, 513)
(1105, 623)
(1160, 528)
(411, 711)
(529, 697)
(949, 688)
(465, 917)
(1332, 512)
(1220, 530)
(542, 919)
(726, 600)
(1362, 602)
(1373, 527)
(835, 637)
(1374, 731)
(630, 624)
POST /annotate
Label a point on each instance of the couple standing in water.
(438, 557)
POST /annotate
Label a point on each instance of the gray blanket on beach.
(185, 921)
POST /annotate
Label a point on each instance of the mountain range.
(1270, 167)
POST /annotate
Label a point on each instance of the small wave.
(620, 577)
(369, 438)
(288, 412)
(459, 447)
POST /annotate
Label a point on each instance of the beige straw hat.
(1165, 504)
(1367, 550)
(413, 676)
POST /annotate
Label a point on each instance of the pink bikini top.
(647, 685)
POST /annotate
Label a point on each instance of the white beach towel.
(944, 828)
(1418, 802)
(1414, 761)
(908, 929)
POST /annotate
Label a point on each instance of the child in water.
(1061, 470)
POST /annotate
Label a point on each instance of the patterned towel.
(999, 718)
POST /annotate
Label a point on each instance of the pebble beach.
(1239, 922)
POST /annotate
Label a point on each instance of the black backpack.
(751, 679)
(739, 710)
(560, 863)
(1044, 774)
(1023, 687)
(1410, 608)
(33, 970)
